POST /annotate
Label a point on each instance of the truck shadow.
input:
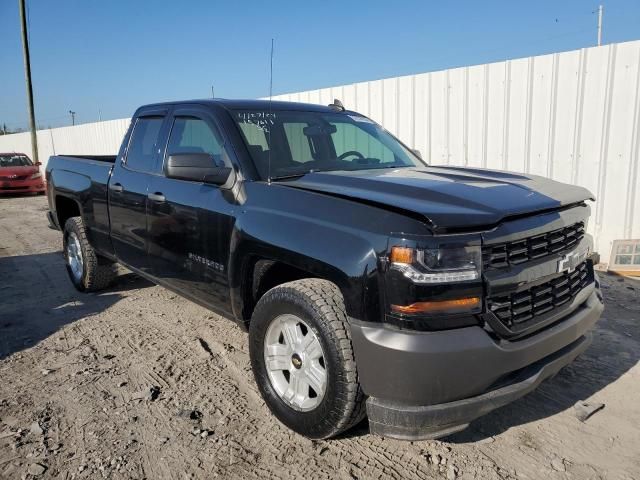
(37, 299)
(614, 351)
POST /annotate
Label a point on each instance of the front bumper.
(430, 384)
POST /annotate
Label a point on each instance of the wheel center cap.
(296, 360)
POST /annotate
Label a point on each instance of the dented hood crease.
(448, 197)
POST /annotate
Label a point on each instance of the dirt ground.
(76, 373)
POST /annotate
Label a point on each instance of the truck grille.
(517, 311)
(512, 253)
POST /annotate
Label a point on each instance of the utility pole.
(600, 25)
(212, 94)
(27, 74)
(73, 117)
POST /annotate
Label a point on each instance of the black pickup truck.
(371, 284)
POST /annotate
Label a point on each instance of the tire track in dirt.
(234, 386)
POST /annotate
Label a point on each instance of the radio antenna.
(269, 119)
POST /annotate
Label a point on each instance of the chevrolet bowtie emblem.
(570, 261)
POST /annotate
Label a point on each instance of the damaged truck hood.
(448, 198)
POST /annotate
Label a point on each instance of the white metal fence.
(571, 116)
(100, 138)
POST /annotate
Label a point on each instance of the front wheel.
(88, 272)
(302, 358)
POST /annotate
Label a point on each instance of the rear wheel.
(302, 358)
(88, 272)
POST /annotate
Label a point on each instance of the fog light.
(460, 305)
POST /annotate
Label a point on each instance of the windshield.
(11, 160)
(297, 142)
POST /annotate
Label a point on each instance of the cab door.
(190, 223)
(129, 186)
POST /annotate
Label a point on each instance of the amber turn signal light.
(401, 255)
(459, 305)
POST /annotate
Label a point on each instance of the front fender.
(340, 254)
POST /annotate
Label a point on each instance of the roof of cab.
(249, 105)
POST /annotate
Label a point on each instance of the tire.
(319, 306)
(92, 272)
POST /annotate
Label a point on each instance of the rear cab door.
(190, 223)
(129, 187)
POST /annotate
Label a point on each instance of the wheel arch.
(257, 270)
(66, 207)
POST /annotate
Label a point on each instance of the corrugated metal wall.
(571, 116)
(100, 138)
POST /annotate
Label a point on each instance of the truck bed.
(85, 171)
(84, 180)
(99, 158)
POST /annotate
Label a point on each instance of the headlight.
(35, 175)
(441, 265)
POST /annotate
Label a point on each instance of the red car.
(18, 174)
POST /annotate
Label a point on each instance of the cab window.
(299, 144)
(348, 137)
(194, 135)
(143, 145)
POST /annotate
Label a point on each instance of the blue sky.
(111, 56)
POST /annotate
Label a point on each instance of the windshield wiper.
(286, 177)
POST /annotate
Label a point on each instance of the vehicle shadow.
(37, 299)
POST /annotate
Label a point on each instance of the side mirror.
(417, 153)
(196, 167)
(37, 164)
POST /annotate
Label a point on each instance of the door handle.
(156, 197)
(116, 187)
